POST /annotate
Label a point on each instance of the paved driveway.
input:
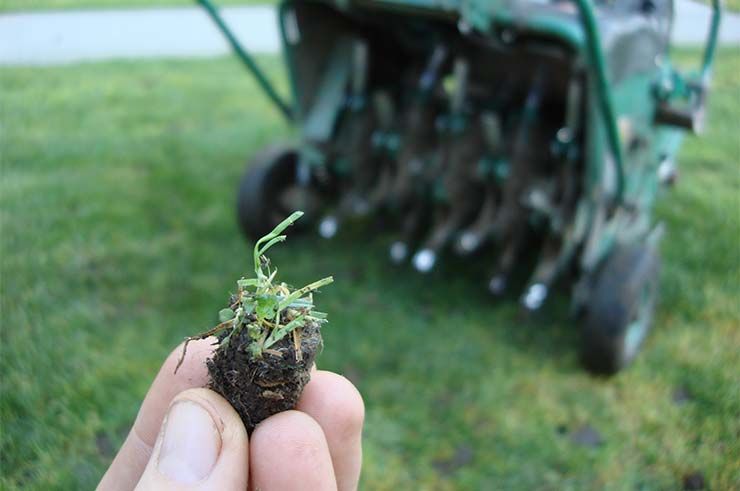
(42, 38)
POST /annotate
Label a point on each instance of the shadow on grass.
(454, 291)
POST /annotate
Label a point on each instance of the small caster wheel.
(619, 311)
(272, 189)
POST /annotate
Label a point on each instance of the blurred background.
(125, 126)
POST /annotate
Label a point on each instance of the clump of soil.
(260, 386)
(268, 340)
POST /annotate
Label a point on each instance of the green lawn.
(118, 239)
(731, 5)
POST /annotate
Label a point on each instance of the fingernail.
(191, 443)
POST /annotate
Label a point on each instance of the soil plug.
(268, 339)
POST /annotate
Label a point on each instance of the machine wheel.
(619, 313)
(270, 191)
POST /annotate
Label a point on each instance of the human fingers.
(336, 405)
(132, 458)
(288, 452)
(202, 446)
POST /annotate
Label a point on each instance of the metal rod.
(708, 59)
(593, 46)
(247, 59)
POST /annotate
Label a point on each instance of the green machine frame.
(631, 110)
(481, 14)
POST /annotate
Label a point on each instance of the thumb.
(202, 445)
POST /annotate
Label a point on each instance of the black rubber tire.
(625, 291)
(269, 174)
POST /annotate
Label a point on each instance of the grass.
(117, 191)
(731, 5)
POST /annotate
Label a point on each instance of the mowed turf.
(118, 239)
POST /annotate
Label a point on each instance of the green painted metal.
(589, 114)
(320, 120)
(581, 36)
(284, 9)
(429, 5)
(248, 61)
(598, 67)
(484, 14)
(622, 146)
(707, 62)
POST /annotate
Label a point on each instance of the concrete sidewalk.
(50, 38)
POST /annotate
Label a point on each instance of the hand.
(186, 437)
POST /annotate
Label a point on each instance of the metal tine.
(417, 143)
(499, 282)
(386, 140)
(492, 132)
(418, 136)
(511, 220)
(412, 226)
(475, 235)
(415, 221)
(360, 133)
(329, 226)
(511, 212)
(472, 238)
(461, 72)
(557, 252)
(411, 203)
(461, 148)
(360, 55)
(573, 106)
(425, 259)
(430, 76)
(385, 110)
(560, 245)
(565, 139)
(544, 274)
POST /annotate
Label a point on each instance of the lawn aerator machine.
(541, 128)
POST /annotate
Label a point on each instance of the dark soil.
(587, 436)
(463, 456)
(694, 481)
(258, 387)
